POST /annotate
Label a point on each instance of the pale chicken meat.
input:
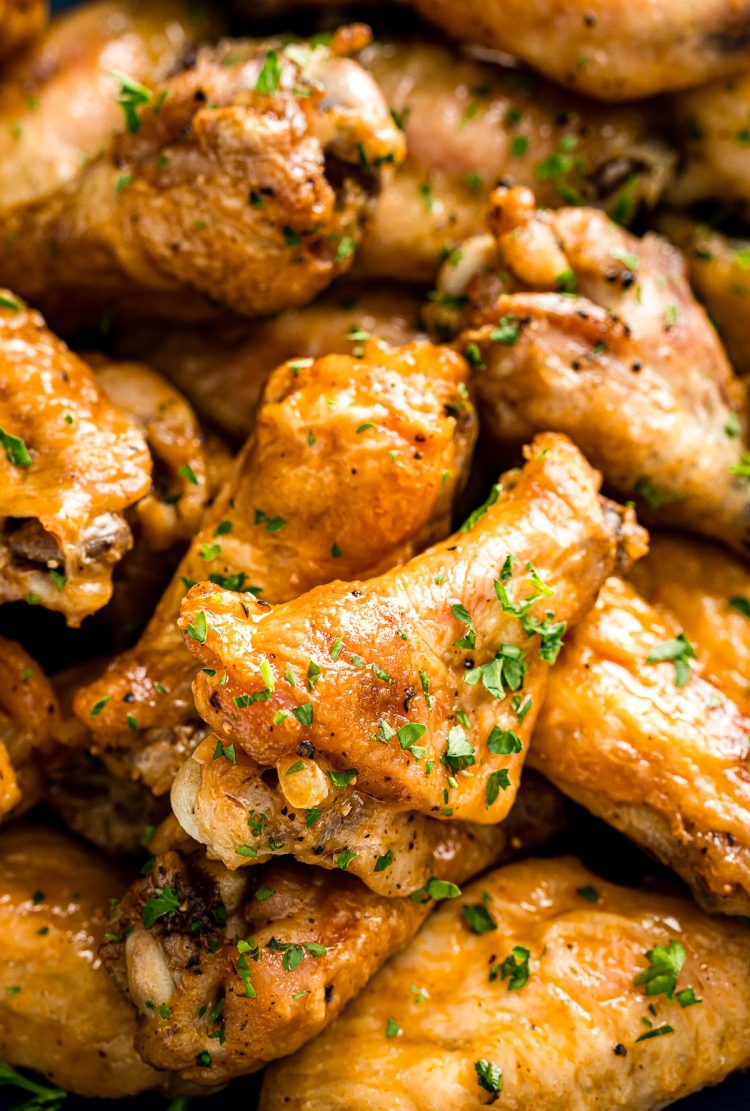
(29, 718)
(633, 731)
(58, 99)
(384, 439)
(20, 21)
(243, 181)
(469, 125)
(543, 986)
(60, 1014)
(609, 49)
(71, 465)
(310, 940)
(576, 325)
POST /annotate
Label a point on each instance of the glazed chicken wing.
(539, 988)
(20, 20)
(610, 49)
(580, 327)
(29, 717)
(633, 731)
(60, 1014)
(352, 468)
(70, 467)
(310, 940)
(243, 181)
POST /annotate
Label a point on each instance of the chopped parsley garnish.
(496, 782)
(506, 670)
(590, 894)
(58, 579)
(99, 705)
(304, 714)
(15, 449)
(343, 779)
(225, 750)
(502, 742)
(478, 918)
(489, 1076)
(442, 889)
(383, 862)
(469, 639)
(270, 74)
(8, 302)
(514, 969)
(313, 674)
(209, 551)
(740, 604)
(197, 630)
(344, 859)
(392, 1028)
(187, 472)
(273, 524)
(480, 511)
(657, 1032)
(664, 964)
(460, 753)
(380, 674)
(680, 651)
(131, 97)
(507, 331)
(164, 903)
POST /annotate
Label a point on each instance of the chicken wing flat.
(244, 181)
(385, 440)
(60, 1014)
(633, 731)
(546, 984)
(707, 591)
(20, 20)
(57, 102)
(310, 938)
(419, 687)
(469, 125)
(612, 51)
(70, 467)
(590, 331)
(29, 717)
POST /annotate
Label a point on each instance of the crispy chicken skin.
(609, 50)
(364, 681)
(567, 1040)
(171, 961)
(707, 591)
(468, 126)
(71, 465)
(711, 123)
(623, 360)
(665, 764)
(29, 717)
(385, 440)
(20, 20)
(223, 373)
(58, 100)
(60, 1014)
(231, 185)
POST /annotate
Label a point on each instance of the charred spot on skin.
(214, 700)
(306, 748)
(328, 993)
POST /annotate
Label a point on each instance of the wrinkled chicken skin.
(29, 717)
(468, 126)
(172, 962)
(223, 373)
(71, 465)
(567, 1040)
(718, 266)
(611, 51)
(665, 764)
(365, 681)
(219, 193)
(707, 592)
(372, 498)
(20, 20)
(60, 1014)
(58, 105)
(626, 362)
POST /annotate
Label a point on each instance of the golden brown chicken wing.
(60, 1014)
(707, 591)
(70, 466)
(57, 102)
(29, 718)
(418, 688)
(269, 958)
(633, 731)
(469, 125)
(352, 469)
(585, 329)
(542, 987)
(20, 20)
(244, 181)
(610, 50)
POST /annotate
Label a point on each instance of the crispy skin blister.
(70, 466)
(665, 764)
(270, 1003)
(29, 718)
(352, 468)
(423, 1033)
(232, 186)
(626, 362)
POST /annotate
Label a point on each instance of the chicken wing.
(28, 721)
(612, 51)
(317, 937)
(60, 1014)
(244, 181)
(590, 331)
(707, 592)
(385, 439)
(57, 102)
(418, 688)
(70, 467)
(633, 731)
(20, 20)
(468, 126)
(548, 984)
